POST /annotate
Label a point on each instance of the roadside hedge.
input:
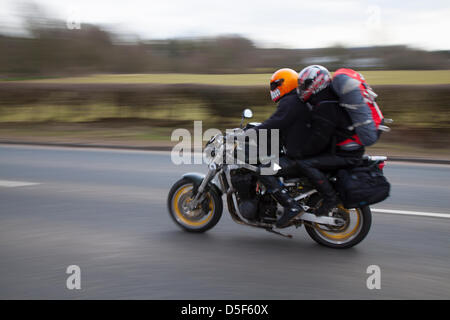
(421, 112)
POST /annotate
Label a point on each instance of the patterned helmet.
(312, 80)
(282, 82)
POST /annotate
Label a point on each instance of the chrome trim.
(306, 194)
(221, 183)
(322, 219)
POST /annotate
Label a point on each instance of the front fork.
(199, 193)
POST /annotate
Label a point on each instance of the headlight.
(213, 146)
(209, 151)
(218, 141)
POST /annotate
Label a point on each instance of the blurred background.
(129, 73)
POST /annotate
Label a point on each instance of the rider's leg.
(291, 208)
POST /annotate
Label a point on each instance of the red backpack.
(358, 98)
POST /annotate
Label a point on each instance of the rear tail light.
(381, 165)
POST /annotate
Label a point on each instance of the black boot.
(330, 199)
(326, 206)
(291, 208)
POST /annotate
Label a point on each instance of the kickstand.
(279, 233)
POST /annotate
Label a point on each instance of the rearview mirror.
(248, 113)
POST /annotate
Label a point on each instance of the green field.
(373, 77)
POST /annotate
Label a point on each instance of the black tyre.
(356, 228)
(200, 219)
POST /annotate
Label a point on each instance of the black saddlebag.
(362, 186)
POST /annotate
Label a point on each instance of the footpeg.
(279, 233)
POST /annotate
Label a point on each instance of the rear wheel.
(355, 229)
(200, 219)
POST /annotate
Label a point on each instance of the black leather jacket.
(292, 118)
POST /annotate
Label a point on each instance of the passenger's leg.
(313, 169)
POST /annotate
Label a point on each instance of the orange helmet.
(282, 82)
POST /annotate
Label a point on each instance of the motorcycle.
(195, 201)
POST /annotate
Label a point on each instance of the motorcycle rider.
(329, 145)
(291, 118)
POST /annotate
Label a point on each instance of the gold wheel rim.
(179, 214)
(339, 236)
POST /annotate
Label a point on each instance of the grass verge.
(385, 77)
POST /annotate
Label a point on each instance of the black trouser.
(313, 168)
(272, 182)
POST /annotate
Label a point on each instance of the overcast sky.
(292, 24)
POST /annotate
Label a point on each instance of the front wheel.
(200, 219)
(356, 227)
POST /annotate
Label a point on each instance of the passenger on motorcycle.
(328, 146)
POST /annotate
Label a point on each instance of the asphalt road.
(105, 211)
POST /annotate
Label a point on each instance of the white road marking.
(12, 184)
(413, 213)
